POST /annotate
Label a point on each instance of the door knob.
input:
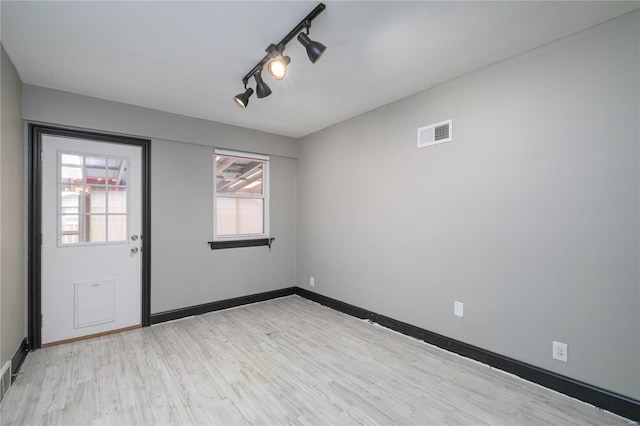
(134, 250)
(134, 238)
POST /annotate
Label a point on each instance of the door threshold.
(90, 336)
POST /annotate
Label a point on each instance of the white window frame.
(265, 195)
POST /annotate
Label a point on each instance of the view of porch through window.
(92, 201)
(241, 196)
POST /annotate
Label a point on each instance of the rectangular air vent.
(435, 133)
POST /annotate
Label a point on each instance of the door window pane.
(71, 159)
(96, 228)
(71, 174)
(97, 199)
(96, 169)
(70, 228)
(117, 171)
(117, 199)
(92, 200)
(71, 168)
(69, 200)
(117, 228)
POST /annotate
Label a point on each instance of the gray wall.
(55, 106)
(12, 213)
(184, 270)
(530, 216)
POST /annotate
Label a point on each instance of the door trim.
(34, 196)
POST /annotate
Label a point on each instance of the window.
(92, 199)
(241, 202)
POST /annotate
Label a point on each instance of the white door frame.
(34, 156)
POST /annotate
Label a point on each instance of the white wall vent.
(95, 302)
(435, 133)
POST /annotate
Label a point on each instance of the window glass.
(239, 176)
(240, 216)
(117, 199)
(71, 168)
(92, 199)
(241, 195)
(117, 228)
(117, 171)
(96, 169)
(96, 199)
(96, 228)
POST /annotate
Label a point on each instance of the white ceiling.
(189, 57)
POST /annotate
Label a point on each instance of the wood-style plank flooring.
(285, 361)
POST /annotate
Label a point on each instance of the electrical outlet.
(312, 281)
(458, 309)
(560, 351)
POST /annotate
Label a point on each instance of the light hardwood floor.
(285, 361)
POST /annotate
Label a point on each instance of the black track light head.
(262, 89)
(242, 99)
(314, 49)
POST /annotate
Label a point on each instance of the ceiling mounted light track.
(277, 62)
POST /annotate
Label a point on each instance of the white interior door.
(91, 242)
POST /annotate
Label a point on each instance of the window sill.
(216, 245)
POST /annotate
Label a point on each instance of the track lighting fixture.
(242, 99)
(262, 90)
(277, 62)
(278, 67)
(314, 49)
